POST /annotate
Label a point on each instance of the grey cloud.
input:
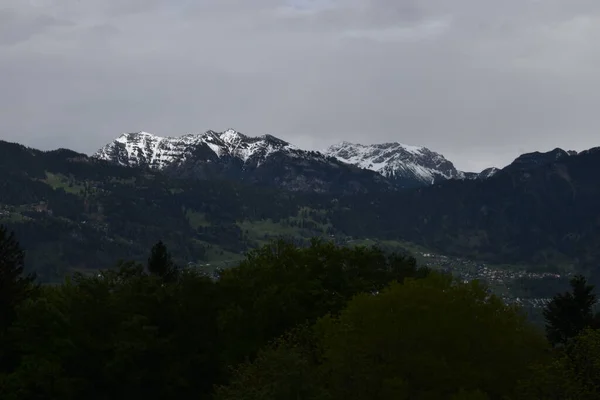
(15, 28)
(477, 80)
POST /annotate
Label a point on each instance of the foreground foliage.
(322, 322)
(569, 313)
(573, 374)
(426, 339)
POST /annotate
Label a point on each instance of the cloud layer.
(477, 80)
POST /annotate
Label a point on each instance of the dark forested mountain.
(487, 173)
(73, 212)
(546, 215)
(532, 160)
(524, 162)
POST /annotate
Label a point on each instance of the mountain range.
(269, 160)
(213, 196)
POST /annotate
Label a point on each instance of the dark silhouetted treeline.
(316, 322)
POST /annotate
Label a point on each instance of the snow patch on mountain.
(146, 149)
(488, 173)
(404, 165)
(397, 161)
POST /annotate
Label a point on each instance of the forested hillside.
(75, 213)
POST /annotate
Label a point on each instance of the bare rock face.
(406, 165)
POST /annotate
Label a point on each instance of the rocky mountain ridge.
(535, 159)
(403, 164)
(231, 154)
(346, 167)
(147, 149)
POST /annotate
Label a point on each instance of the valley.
(506, 281)
(163, 259)
(81, 213)
(299, 200)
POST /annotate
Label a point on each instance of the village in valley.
(505, 281)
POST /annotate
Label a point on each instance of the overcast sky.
(479, 81)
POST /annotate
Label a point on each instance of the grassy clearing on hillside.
(217, 258)
(57, 181)
(197, 219)
(216, 254)
(394, 245)
(12, 217)
(262, 230)
(123, 181)
(312, 216)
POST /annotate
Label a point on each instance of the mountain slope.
(545, 215)
(73, 212)
(264, 160)
(529, 161)
(146, 149)
(488, 173)
(345, 167)
(408, 166)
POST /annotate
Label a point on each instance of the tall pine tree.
(568, 314)
(15, 286)
(161, 264)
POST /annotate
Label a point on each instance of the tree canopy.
(425, 339)
(15, 286)
(160, 263)
(569, 313)
(321, 322)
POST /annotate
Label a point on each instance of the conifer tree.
(568, 314)
(14, 285)
(161, 264)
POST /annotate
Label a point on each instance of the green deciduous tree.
(425, 339)
(280, 372)
(121, 335)
(573, 373)
(281, 285)
(428, 339)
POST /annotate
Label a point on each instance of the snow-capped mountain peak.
(232, 155)
(212, 153)
(397, 161)
(232, 137)
(146, 149)
(136, 136)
